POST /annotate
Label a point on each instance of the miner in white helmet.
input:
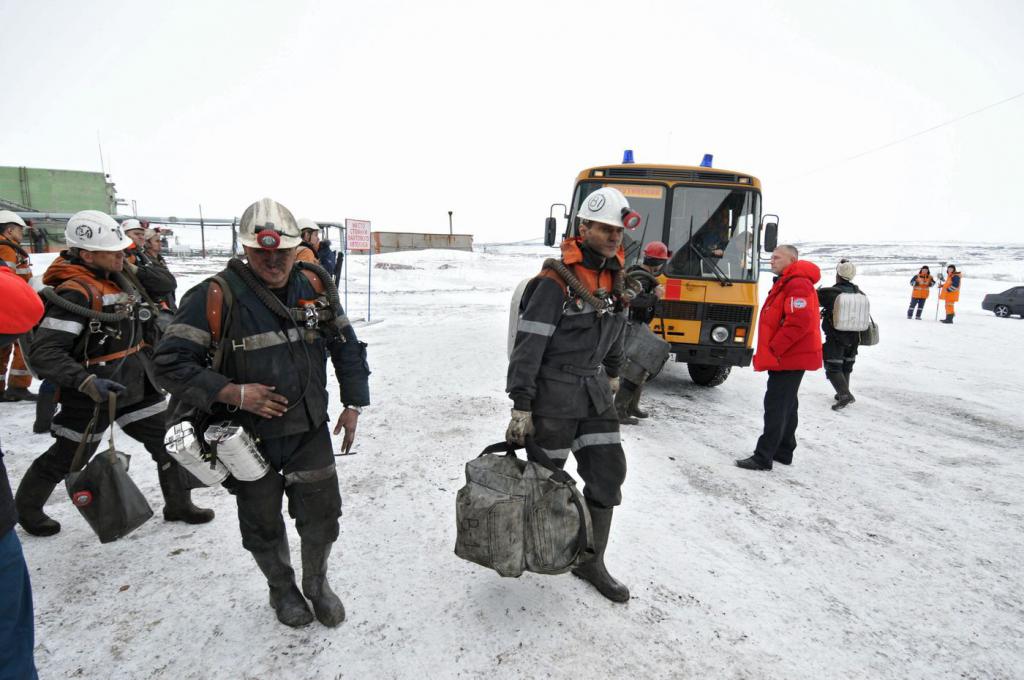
(250, 346)
(564, 365)
(153, 277)
(91, 344)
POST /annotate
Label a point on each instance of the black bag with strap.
(102, 490)
(517, 515)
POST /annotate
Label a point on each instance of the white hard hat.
(8, 217)
(306, 223)
(268, 225)
(130, 224)
(609, 206)
(95, 230)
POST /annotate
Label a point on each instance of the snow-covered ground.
(892, 548)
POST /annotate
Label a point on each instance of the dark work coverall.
(66, 349)
(262, 347)
(564, 353)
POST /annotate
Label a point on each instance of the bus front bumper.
(713, 355)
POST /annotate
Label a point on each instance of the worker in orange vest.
(12, 255)
(921, 282)
(950, 291)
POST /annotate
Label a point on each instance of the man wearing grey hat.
(840, 348)
(250, 346)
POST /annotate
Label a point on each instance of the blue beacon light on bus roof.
(706, 163)
(627, 157)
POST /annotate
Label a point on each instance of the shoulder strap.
(85, 287)
(314, 280)
(215, 309)
(220, 300)
(548, 271)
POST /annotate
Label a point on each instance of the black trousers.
(595, 442)
(916, 302)
(303, 469)
(838, 358)
(778, 440)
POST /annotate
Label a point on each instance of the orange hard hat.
(656, 250)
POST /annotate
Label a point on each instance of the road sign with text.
(357, 234)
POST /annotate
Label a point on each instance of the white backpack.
(851, 312)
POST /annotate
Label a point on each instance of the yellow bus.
(711, 221)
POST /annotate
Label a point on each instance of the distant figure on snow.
(921, 283)
(840, 348)
(950, 291)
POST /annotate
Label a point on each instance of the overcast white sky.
(400, 111)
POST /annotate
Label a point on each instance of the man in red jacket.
(788, 343)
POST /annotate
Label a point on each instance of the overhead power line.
(907, 138)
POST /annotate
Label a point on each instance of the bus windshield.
(711, 232)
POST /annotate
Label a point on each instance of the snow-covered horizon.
(890, 549)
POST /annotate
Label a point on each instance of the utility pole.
(234, 238)
(202, 230)
(449, 222)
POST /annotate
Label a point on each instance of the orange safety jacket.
(951, 287)
(306, 253)
(67, 347)
(16, 258)
(921, 286)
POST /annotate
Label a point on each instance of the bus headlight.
(719, 333)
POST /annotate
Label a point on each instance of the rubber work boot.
(634, 405)
(948, 319)
(594, 570)
(753, 463)
(285, 598)
(44, 410)
(178, 505)
(622, 402)
(842, 388)
(326, 605)
(29, 501)
(18, 394)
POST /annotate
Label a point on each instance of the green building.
(55, 191)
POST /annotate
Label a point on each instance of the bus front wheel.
(708, 376)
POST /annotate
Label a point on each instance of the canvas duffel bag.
(102, 490)
(516, 515)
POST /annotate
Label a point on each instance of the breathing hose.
(340, 319)
(637, 274)
(106, 317)
(576, 286)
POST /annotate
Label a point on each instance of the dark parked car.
(1006, 303)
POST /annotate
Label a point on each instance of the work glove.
(614, 383)
(520, 427)
(99, 389)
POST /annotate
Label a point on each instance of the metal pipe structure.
(64, 217)
(202, 230)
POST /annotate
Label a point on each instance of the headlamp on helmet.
(268, 239)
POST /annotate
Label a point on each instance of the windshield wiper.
(715, 269)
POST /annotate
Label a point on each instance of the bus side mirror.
(550, 231)
(771, 234)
